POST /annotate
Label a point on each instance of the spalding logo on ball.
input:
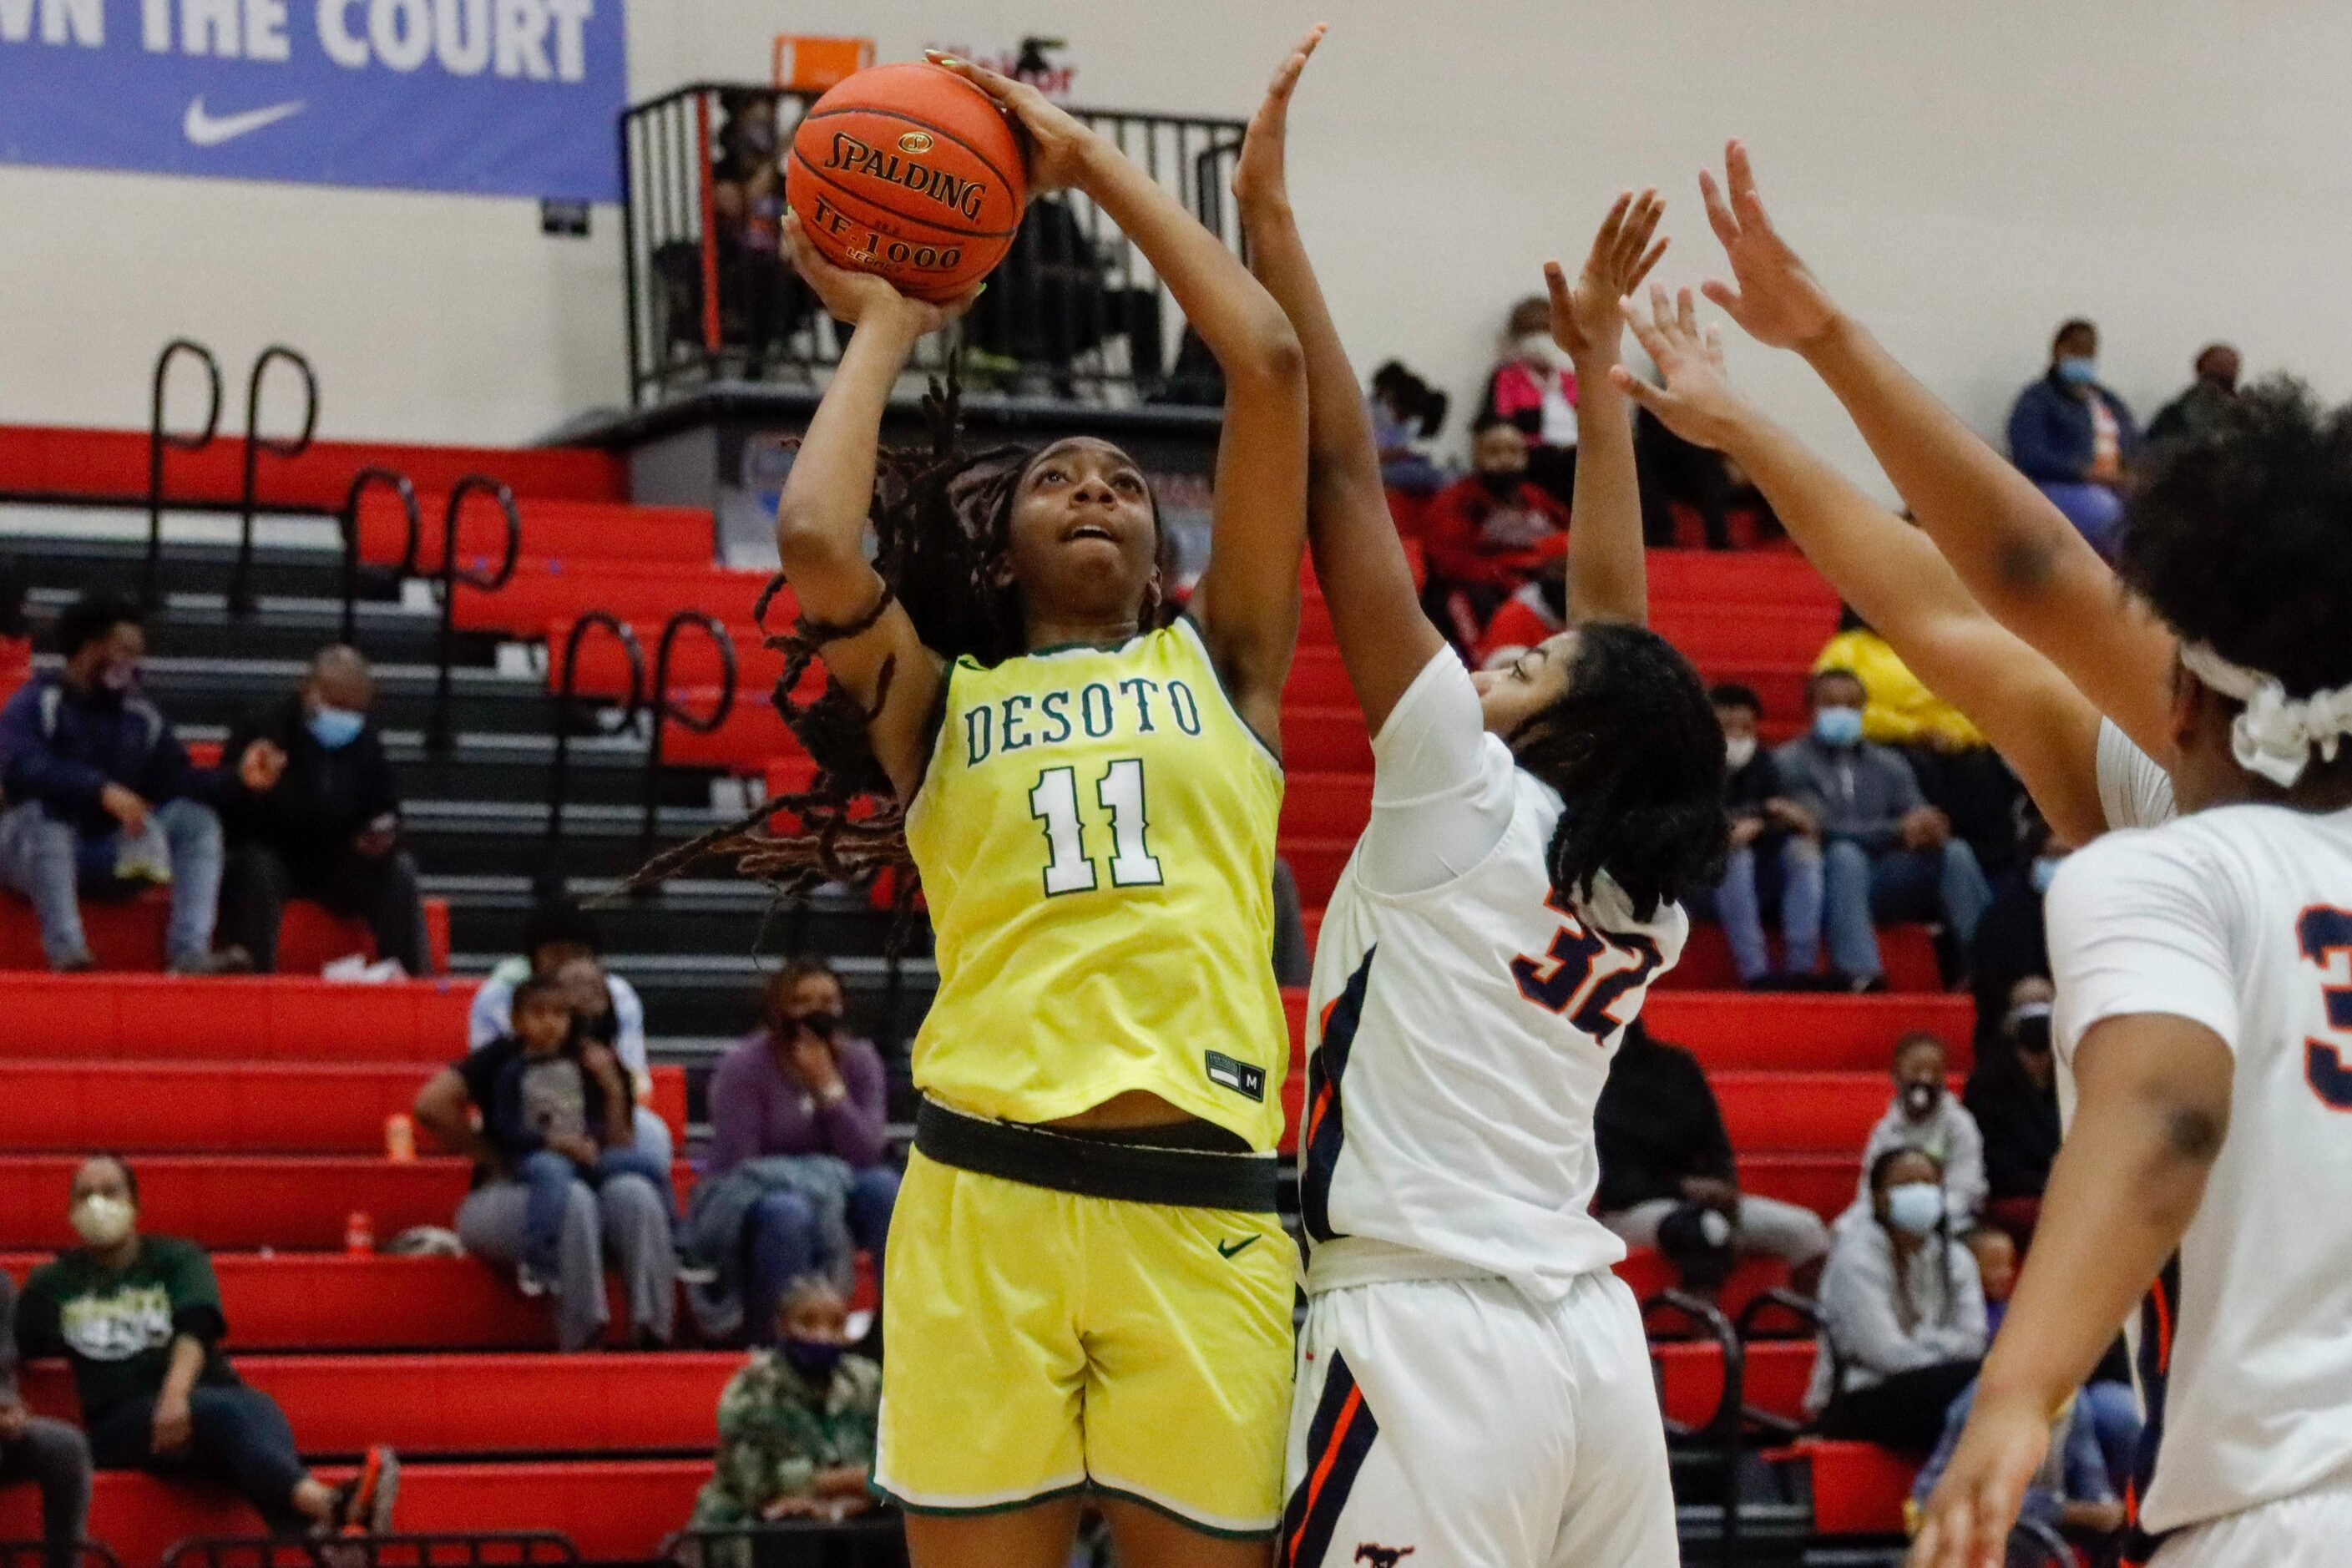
(911, 173)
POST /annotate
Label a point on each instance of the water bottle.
(399, 1137)
(359, 1234)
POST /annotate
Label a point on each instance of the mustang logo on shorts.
(1381, 1556)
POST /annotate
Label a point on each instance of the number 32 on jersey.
(1119, 793)
(1583, 974)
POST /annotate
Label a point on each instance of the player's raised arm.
(1248, 600)
(1384, 639)
(2016, 552)
(2044, 728)
(821, 518)
(1608, 575)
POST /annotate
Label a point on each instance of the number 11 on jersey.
(1053, 801)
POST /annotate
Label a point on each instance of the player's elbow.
(1269, 354)
(2193, 1134)
(806, 536)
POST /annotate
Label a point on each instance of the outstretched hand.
(1258, 179)
(1585, 322)
(1057, 139)
(1697, 401)
(1774, 297)
(855, 296)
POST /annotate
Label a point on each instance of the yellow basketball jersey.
(1096, 836)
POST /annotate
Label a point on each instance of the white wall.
(1963, 175)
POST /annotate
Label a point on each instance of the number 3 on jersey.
(1054, 802)
(1565, 975)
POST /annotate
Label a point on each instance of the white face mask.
(1536, 348)
(103, 1220)
(1739, 752)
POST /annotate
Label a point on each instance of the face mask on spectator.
(812, 1359)
(118, 675)
(824, 1025)
(1915, 1208)
(1739, 752)
(2029, 1026)
(1920, 1099)
(2078, 370)
(1536, 348)
(1502, 483)
(1838, 726)
(103, 1220)
(2044, 872)
(335, 728)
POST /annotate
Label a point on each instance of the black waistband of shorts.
(1128, 1172)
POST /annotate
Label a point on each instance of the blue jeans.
(2114, 1417)
(782, 1235)
(2096, 510)
(53, 866)
(239, 1437)
(549, 1177)
(1861, 889)
(1737, 904)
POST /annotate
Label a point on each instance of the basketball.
(911, 173)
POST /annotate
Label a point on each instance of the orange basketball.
(909, 171)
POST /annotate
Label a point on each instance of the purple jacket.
(756, 1110)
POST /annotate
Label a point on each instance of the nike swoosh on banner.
(206, 130)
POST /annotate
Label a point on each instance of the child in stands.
(796, 1427)
(1924, 1116)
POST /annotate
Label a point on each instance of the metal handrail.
(1722, 1429)
(439, 735)
(400, 1549)
(349, 521)
(1806, 1311)
(567, 674)
(240, 599)
(665, 711)
(151, 578)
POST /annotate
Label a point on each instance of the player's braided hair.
(1633, 747)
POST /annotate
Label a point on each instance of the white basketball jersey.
(1458, 1042)
(2239, 919)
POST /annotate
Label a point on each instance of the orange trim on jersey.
(1348, 1413)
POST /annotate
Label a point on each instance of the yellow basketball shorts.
(1042, 1343)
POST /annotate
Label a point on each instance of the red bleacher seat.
(542, 590)
(1776, 1374)
(1803, 1112)
(1824, 1184)
(602, 669)
(1908, 953)
(1859, 1488)
(1646, 1274)
(162, 1017)
(129, 934)
(554, 527)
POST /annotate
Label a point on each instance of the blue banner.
(509, 98)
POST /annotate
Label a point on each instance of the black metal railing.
(1072, 311)
(240, 596)
(349, 521)
(665, 711)
(440, 733)
(1720, 1435)
(564, 719)
(452, 1549)
(35, 1554)
(159, 438)
(875, 1541)
(1808, 1316)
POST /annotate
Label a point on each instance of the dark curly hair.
(2241, 536)
(1633, 747)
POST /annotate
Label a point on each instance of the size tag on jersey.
(1240, 1077)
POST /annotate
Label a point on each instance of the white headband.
(2276, 733)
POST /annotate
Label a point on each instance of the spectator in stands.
(326, 825)
(1903, 1314)
(762, 300)
(105, 801)
(1776, 854)
(2011, 942)
(1693, 497)
(2013, 1096)
(801, 1085)
(2075, 439)
(1489, 534)
(1888, 854)
(627, 1214)
(1529, 618)
(2200, 408)
(1533, 390)
(1667, 1178)
(1924, 1116)
(558, 934)
(1958, 771)
(139, 1319)
(1407, 411)
(796, 1427)
(2072, 1493)
(49, 1454)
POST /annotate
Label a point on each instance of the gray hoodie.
(1882, 1327)
(1857, 793)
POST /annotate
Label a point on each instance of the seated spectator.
(1958, 771)
(2199, 408)
(1533, 615)
(1406, 411)
(1695, 497)
(798, 1086)
(1533, 390)
(2075, 439)
(1903, 1314)
(1776, 855)
(1924, 1116)
(49, 1454)
(2013, 1096)
(325, 823)
(628, 1213)
(2011, 943)
(2070, 1495)
(557, 933)
(1667, 1179)
(105, 801)
(139, 1319)
(1489, 534)
(1888, 855)
(761, 299)
(1057, 294)
(796, 1427)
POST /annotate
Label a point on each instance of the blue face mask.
(2044, 872)
(335, 728)
(812, 1359)
(2078, 370)
(1838, 726)
(1915, 1208)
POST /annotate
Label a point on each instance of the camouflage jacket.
(775, 1432)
